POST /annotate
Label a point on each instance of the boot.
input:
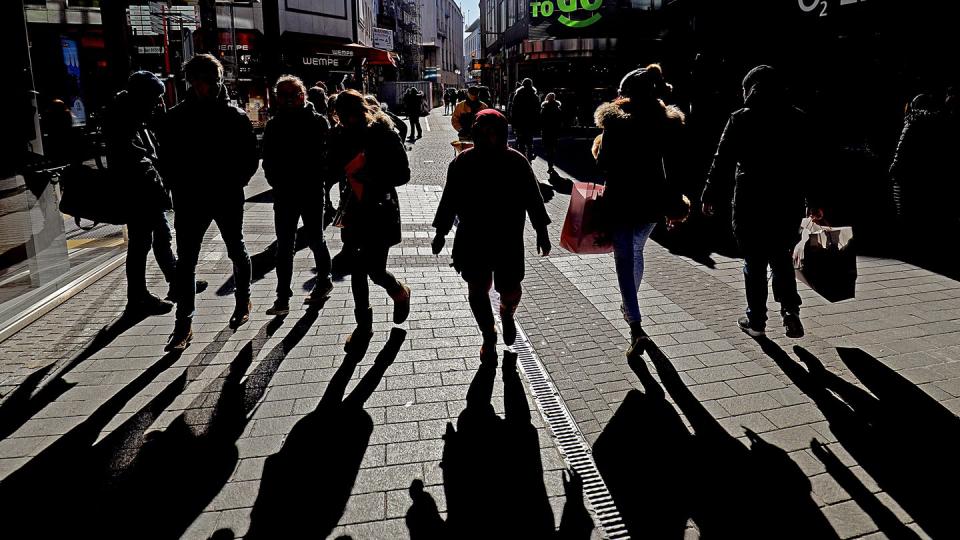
(401, 304)
(358, 341)
(241, 314)
(181, 336)
(509, 324)
(638, 340)
(488, 350)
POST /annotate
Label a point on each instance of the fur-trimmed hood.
(614, 112)
(380, 119)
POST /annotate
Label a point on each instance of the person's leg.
(285, 218)
(755, 281)
(360, 338)
(139, 237)
(413, 121)
(375, 259)
(190, 228)
(229, 219)
(785, 291)
(419, 127)
(313, 224)
(623, 258)
(478, 295)
(163, 247)
(640, 236)
(508, 285)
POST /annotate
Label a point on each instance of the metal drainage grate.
(572, 444)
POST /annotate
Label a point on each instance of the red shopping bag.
(583, 230)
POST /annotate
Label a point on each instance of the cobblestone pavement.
(839, 434)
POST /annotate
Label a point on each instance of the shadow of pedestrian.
(22, 404)
(263, 263)
(902, 437)
(179, 471)
(740, 491)
(306, 485)
(492, 471)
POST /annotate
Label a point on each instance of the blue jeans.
(755, 264)
(628, 244)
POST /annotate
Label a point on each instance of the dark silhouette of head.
(489, 131)
(763, 87)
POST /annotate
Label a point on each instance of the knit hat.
(145, 84)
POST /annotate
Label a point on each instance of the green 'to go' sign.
(545, 8)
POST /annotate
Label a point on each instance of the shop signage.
(150, 50)
(822, 7)
(567, 9)
(383, 39)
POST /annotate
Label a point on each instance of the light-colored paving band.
(573, 447)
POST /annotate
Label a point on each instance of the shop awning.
(374, 57)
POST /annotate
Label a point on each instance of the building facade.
(471, 53)
(442, 42)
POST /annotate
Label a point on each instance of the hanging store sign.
(383, 39)
(572, 13)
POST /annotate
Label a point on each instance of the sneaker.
(509, 329)
(638, 341)
(401, 305)
(751, 330)
(791, 322)
(241, 315)
(149, 305)
(181, 336)
(280, 307)
(320, 293)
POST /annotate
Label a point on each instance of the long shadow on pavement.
(22, 404)
(263, 263)
(493, 474)
(661, 475)
(902, 437)
(306, 485)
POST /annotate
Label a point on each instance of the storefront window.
(83, 3)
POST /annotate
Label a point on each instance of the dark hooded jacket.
(921, 172)
(551, 118)
(413, 102)
(525, 111)
(372, 219)
(208, 150)
(762, 163)
(131, 150)
(491, 191)
(294, 151)
(637, 155)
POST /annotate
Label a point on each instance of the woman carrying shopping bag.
(640, 133)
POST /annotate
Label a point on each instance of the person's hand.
(543, 243)
(438, 242)
(708, 209)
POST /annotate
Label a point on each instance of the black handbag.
(93, 194)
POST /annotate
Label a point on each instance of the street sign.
(383, 39)
(150, 50)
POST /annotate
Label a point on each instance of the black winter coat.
(923, 182)
(294, 152)
(525, 111)
(413, 103)
(765, 156)
(491, 192)
(131, 150)
(373, 219)
(551, 118)
(208, 151)
(637, 155)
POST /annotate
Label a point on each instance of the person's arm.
(247, 159)
(533, 200)
(446, 210)
(455, 118)
(723, 170)
(269, 152)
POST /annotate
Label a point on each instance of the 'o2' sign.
(546, 8)
(810, 6)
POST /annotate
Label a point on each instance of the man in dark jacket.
(132, 156)
(762, 152)
(525, 116)
(293, 155)
(488, 249)
(209, 153)
(465, 112)
(413, 103)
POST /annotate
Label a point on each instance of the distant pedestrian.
(373, 161)
(209, 153)
(483, 93)
(551, 120)
(639, 134)
(488, 248)
(466, 111)
(461, 95)
(317, 97)
(131, 151)
(413, 103)
(525, 117)
(449, 100)
(294, 144)
(762, 165)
